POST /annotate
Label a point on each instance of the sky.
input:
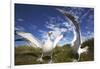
(39, 19)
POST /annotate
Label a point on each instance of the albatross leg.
(51, 61)
(41, 58)
(78, 57)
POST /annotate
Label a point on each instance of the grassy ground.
(25, 55)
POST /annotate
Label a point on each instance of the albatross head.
(49, 33)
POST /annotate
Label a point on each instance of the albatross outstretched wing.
(30, 38)
(58, 38)
(73, 21)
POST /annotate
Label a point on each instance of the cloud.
(66, 24)
(17, 28)
(20, 28)
(57, 25)
(56, 30)
(20, 19)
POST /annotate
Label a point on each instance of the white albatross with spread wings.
(47, 47)
(76, 42)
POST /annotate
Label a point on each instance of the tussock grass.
(25, 55)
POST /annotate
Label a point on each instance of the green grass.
(25, 55)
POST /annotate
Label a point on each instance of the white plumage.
(47, 47)
(29, 37)
(76, 42)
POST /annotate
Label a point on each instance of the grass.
(25, 55)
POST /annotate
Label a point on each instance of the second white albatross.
(76, 42)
